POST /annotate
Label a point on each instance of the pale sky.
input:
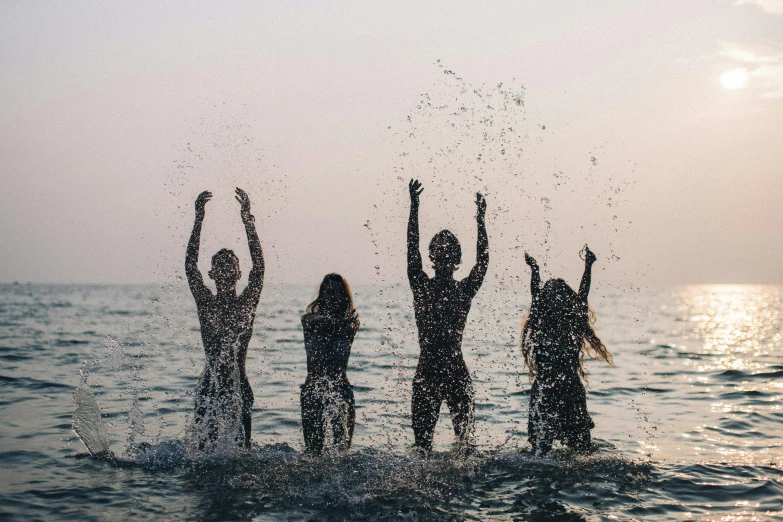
(651, 131)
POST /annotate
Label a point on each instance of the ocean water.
(689, 423)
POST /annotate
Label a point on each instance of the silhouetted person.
(441, 305)
(329, 326)
(555, 337)
(223, 393)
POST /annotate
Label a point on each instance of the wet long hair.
(559, 313)
(335, 299)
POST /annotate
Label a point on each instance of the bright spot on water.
(735, 78)
(732, 321)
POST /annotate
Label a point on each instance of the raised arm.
(256, 278)
(584, 286)
(479, 270)
(535, 276)
(195, 279)
(415, 270)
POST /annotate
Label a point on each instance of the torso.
(328, 347)
(226, 329)
(441, 307)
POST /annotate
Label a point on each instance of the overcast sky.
(651, 131)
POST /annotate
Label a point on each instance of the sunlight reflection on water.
(730, 356)
(695, 400)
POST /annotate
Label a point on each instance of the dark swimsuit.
(327, 395)
(558, 402)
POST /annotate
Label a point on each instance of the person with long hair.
(441, 305)
(330, 325)
(224, 399)
(556, 335)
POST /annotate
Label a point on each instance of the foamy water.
(688, 423)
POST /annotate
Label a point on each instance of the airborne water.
(688, 423)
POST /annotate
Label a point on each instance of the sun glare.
(734, 79)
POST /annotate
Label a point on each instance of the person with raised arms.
(223, 398)
(555, 336)
(441, 305)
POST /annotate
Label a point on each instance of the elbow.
(257, 273)
(191, 265)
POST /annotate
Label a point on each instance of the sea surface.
(689, 423)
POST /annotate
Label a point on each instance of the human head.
(334, 297)
(558, 310)
(445, 251)
(225, 268)
(558, 299)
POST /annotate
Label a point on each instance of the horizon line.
(360, 284)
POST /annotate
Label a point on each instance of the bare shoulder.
(419, 279)
(470, 285)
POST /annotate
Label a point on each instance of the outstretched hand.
(414, 187)
(589, 256)
(244, 202)
(481, 206)
(531, 262)
(201, 202)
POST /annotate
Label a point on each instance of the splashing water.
(221, 420)
(705, 365)
(218, 421)
(88, 424)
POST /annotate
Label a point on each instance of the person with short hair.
(223, 398)
(441, 305)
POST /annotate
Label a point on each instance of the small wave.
(22, 456)
(746, 394)
(16, 357)
(714, 483)
(31, 383)
(741, 375)
(70, 342)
